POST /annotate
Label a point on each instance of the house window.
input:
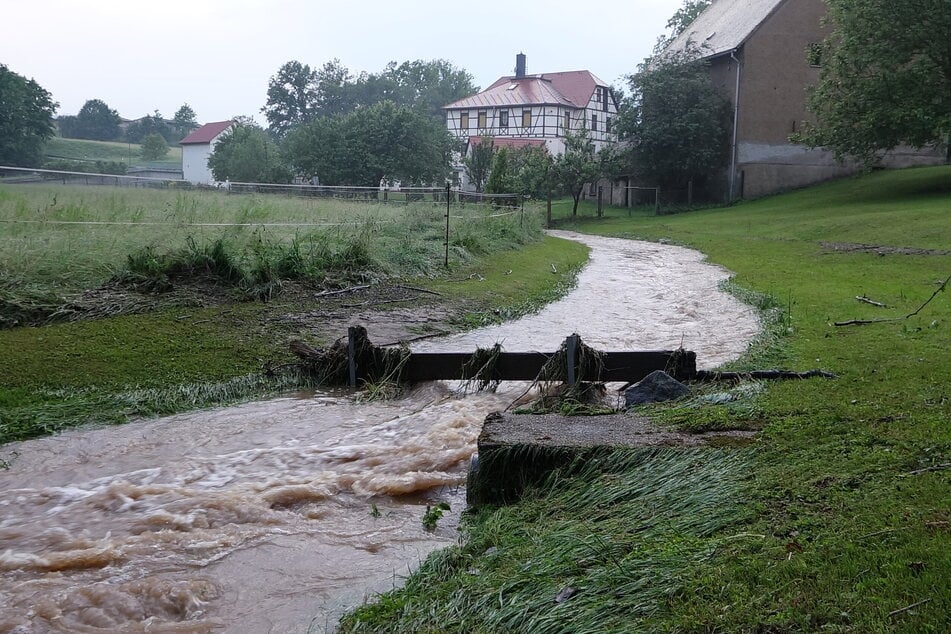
(464, 121)
(567, 123)
(604, 99)
(504, 119)
(594, 122)
(526, 118)
(814, 54)
(482, 120)
(607, 125)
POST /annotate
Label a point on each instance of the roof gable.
(724, 26)
(206, 133)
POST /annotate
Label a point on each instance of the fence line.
(367, 194)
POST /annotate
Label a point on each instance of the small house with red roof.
(522, 110)
(197, 147)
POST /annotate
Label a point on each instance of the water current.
(276, 516)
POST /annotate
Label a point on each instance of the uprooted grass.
(587, 551)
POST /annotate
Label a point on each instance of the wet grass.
(837, 518)
(59, 241)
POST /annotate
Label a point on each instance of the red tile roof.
(509, 142)
(572, 88)
(206, 133)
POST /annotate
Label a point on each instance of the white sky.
(218, 55)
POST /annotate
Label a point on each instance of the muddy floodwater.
(276, 516)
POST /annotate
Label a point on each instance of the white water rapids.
(276, 516)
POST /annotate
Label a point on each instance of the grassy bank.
(205, 340)
(108, 151)
(837, 519)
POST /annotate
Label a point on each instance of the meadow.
(836, 518)
(108, 151)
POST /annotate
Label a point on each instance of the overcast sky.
(218, 55)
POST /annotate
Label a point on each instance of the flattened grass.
(846, 516)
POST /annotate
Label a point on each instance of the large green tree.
(26, 119)
(368, 144)
(95, 121)
(291, 96)
(247, 154)
(298, 94)
(676, 123)
(885, 78)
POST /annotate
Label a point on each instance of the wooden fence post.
(571, 354)
(352, 355)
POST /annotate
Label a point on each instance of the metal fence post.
(600, 201)
(448, 189)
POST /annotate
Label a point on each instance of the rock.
(656, 387)
(565, 594)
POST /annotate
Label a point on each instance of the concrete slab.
(518, 450)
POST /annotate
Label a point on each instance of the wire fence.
(383, 195)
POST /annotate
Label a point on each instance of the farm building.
(197, 147)
(519, 110)
(763, 56)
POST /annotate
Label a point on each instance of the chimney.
(520, 66)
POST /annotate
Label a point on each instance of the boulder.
(656, 387)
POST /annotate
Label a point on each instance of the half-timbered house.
(521, 109)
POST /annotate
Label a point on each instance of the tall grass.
(59, 240)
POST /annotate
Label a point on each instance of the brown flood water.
(277, 516)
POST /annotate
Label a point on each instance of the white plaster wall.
(195, 163)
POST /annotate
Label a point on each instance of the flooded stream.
(277, 516)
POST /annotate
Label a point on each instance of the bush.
(154, 147)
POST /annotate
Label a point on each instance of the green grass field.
(837, 519)
(128, 153)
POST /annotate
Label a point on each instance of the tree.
(149, 124)
(885, 78)
(154, 147)
(368, 144)
(95, 121)
(478, 162)
(531, 167)
(26, 119)
(501, 180)
(576, 166)
(290, 97)
(428, 86)
(185, 120)
(677, 123)
(246, 154)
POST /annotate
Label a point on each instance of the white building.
(197, 147)
(520, 109)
